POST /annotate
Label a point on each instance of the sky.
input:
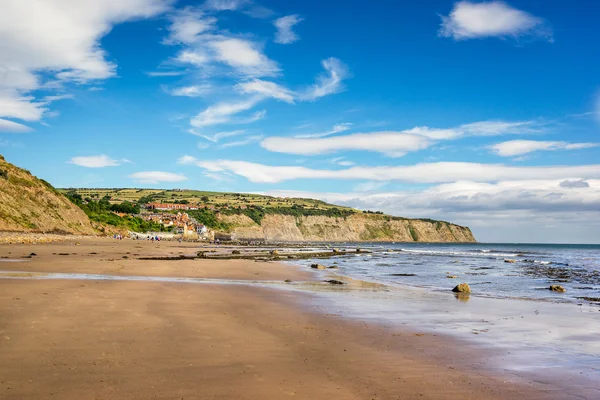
(481, 113)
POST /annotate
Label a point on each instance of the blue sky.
(481, 113)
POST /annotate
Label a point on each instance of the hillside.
(29, 204)
(253, 216)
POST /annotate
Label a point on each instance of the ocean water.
(522, 271)
(528, 332)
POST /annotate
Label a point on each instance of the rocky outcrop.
(28, 204)
(557, 288)
(354, 228)
(462, 288)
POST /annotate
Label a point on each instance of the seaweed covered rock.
(462, 288)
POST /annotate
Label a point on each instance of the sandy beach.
(103, 339)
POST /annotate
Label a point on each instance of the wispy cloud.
(223, 112)
(99, 161)
(329, 83)
(165, 73)
(238, 143)
(284, 25)
(470, 20)
(266, 89)
(342, 162)
(225, 5)
(153, 177)
(218, 136)
(338, 128)
(191, 91)
(520, 147)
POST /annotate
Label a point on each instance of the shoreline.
(401, 340)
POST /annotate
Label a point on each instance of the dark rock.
(288, 281)
(332, 267)
(510, 261)
(462, 288)
(236, 252)
(318, 266)
(32, 254)
(334, 282)
(451, 276)
(403, 274)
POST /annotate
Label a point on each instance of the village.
(180, 223)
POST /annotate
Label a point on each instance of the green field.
(216, 199)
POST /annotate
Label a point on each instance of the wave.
(459, 253)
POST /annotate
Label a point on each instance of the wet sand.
(72, 339)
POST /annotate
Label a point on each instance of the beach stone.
(318, 266)
(462, 288)
(334, 282)
(510, 261)
(236, 252)
(274, 252)
(557, 288)
(332, 267)
(288, 281)
(451, 276)
(358, 250)
(336, 250)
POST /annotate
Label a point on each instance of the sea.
(499, 270)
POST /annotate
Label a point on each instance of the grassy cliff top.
(118, 195)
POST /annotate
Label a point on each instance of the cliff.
(29, 204)
(354, 228)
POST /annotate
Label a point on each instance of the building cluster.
(181, 223)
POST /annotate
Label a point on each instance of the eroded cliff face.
(355, 228)
(28, 204)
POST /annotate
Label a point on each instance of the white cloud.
(152, 177)
(284, 25)
(194, 57)
(60, 42)
(223, 112)
(469, 20)
(192, 91)
(99, 161)
(394, 143)
(440, 172)
(520, 147)
(336, 129)
(330, 82)
(390, 143)
(187, 24)
(266, 89)
(13, 127)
